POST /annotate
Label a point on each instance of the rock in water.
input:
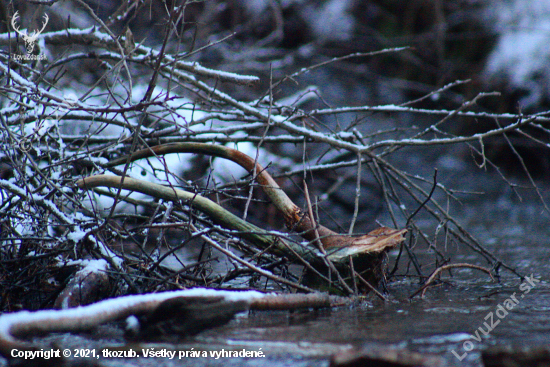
(180, 317)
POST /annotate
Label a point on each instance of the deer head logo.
(29, 39)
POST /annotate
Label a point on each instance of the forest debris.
(257, 236)
(162, 315)
(335, 249)
(186, 316)
(376, 241)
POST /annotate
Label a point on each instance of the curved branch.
(447, 267)
(258, 236)
(295, 218)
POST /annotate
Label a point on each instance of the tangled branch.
(120, 123)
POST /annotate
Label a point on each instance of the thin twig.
(430, 280)
(357, 195)
(428, 198)
(369, 286)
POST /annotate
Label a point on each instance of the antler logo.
(29, 39)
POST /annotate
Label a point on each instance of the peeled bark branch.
(259, 237)
(295, 219)
(332, 257)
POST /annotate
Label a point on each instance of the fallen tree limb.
(295, 218)
(259, 237)
(376, 241)
(18, 324)
(367, 250)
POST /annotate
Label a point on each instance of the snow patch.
(521, 56)
(227, 171)
(331, 21)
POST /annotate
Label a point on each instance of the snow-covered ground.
(521, 56)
